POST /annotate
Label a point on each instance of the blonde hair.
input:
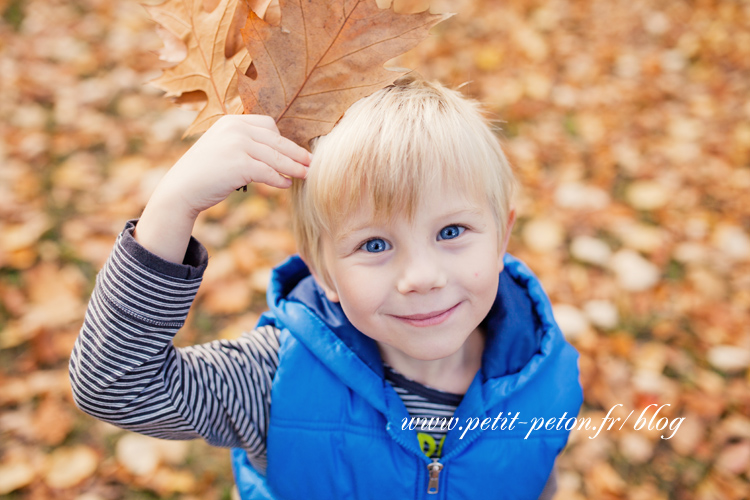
(390, 147)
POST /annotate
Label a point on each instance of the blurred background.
(627, 122)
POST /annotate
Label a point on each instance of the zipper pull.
(435, 467)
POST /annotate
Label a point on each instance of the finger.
(276, 160)
(283, 145)
(267, 175)
(262, 121)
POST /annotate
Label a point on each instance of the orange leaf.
(206, 67)
(323, 57)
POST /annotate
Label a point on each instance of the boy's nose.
(421, 273)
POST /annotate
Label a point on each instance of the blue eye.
(450, 232)
(375, 245)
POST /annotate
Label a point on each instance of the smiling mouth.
(428, 319)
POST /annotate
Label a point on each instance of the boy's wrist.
(170, 200)
(165, 227)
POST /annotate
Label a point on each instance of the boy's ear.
(506, 238)
(329, 291)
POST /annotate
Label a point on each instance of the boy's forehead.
(363, 217)
(436, 205)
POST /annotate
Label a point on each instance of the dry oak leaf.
(322, 58)
(205, 68)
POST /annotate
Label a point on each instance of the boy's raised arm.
(124, 368)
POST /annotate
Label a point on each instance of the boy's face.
(421, 287)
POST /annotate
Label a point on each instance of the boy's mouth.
(428, 319)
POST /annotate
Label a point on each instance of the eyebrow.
(349, 231)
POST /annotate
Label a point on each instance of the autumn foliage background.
(628, 124)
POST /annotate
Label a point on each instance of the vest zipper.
(435, 467)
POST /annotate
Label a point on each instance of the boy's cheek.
(358, 294)
(481, 266)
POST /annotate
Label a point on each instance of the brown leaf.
(206, 67)
(323, 57)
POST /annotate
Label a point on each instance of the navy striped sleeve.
(125, 370)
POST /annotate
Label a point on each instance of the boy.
(402, 305)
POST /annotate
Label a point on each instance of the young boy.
(401, 305)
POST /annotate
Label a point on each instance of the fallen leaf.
(14, 237)
(52, 421)
(172, 452)
(591, 250)
(323, 57)
(729, 358)
(732, 241)
(15, 475)
(647, 195)
(579, 196)
(601, 313)
(543, 235)
(260, 279)
(691, 432)
(634, 273)
(604, 479)
(570, 319)
(167, 481)
(69, 466)
(20, 389)
(54, 298)
(230, 296)
(638, 236)
(234, 330)
(636, 448)
(138, 454)
(734, 458)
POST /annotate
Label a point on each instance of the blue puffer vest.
(335, 430)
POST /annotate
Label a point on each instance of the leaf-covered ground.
(628, 123)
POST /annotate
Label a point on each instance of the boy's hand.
(235, 151)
